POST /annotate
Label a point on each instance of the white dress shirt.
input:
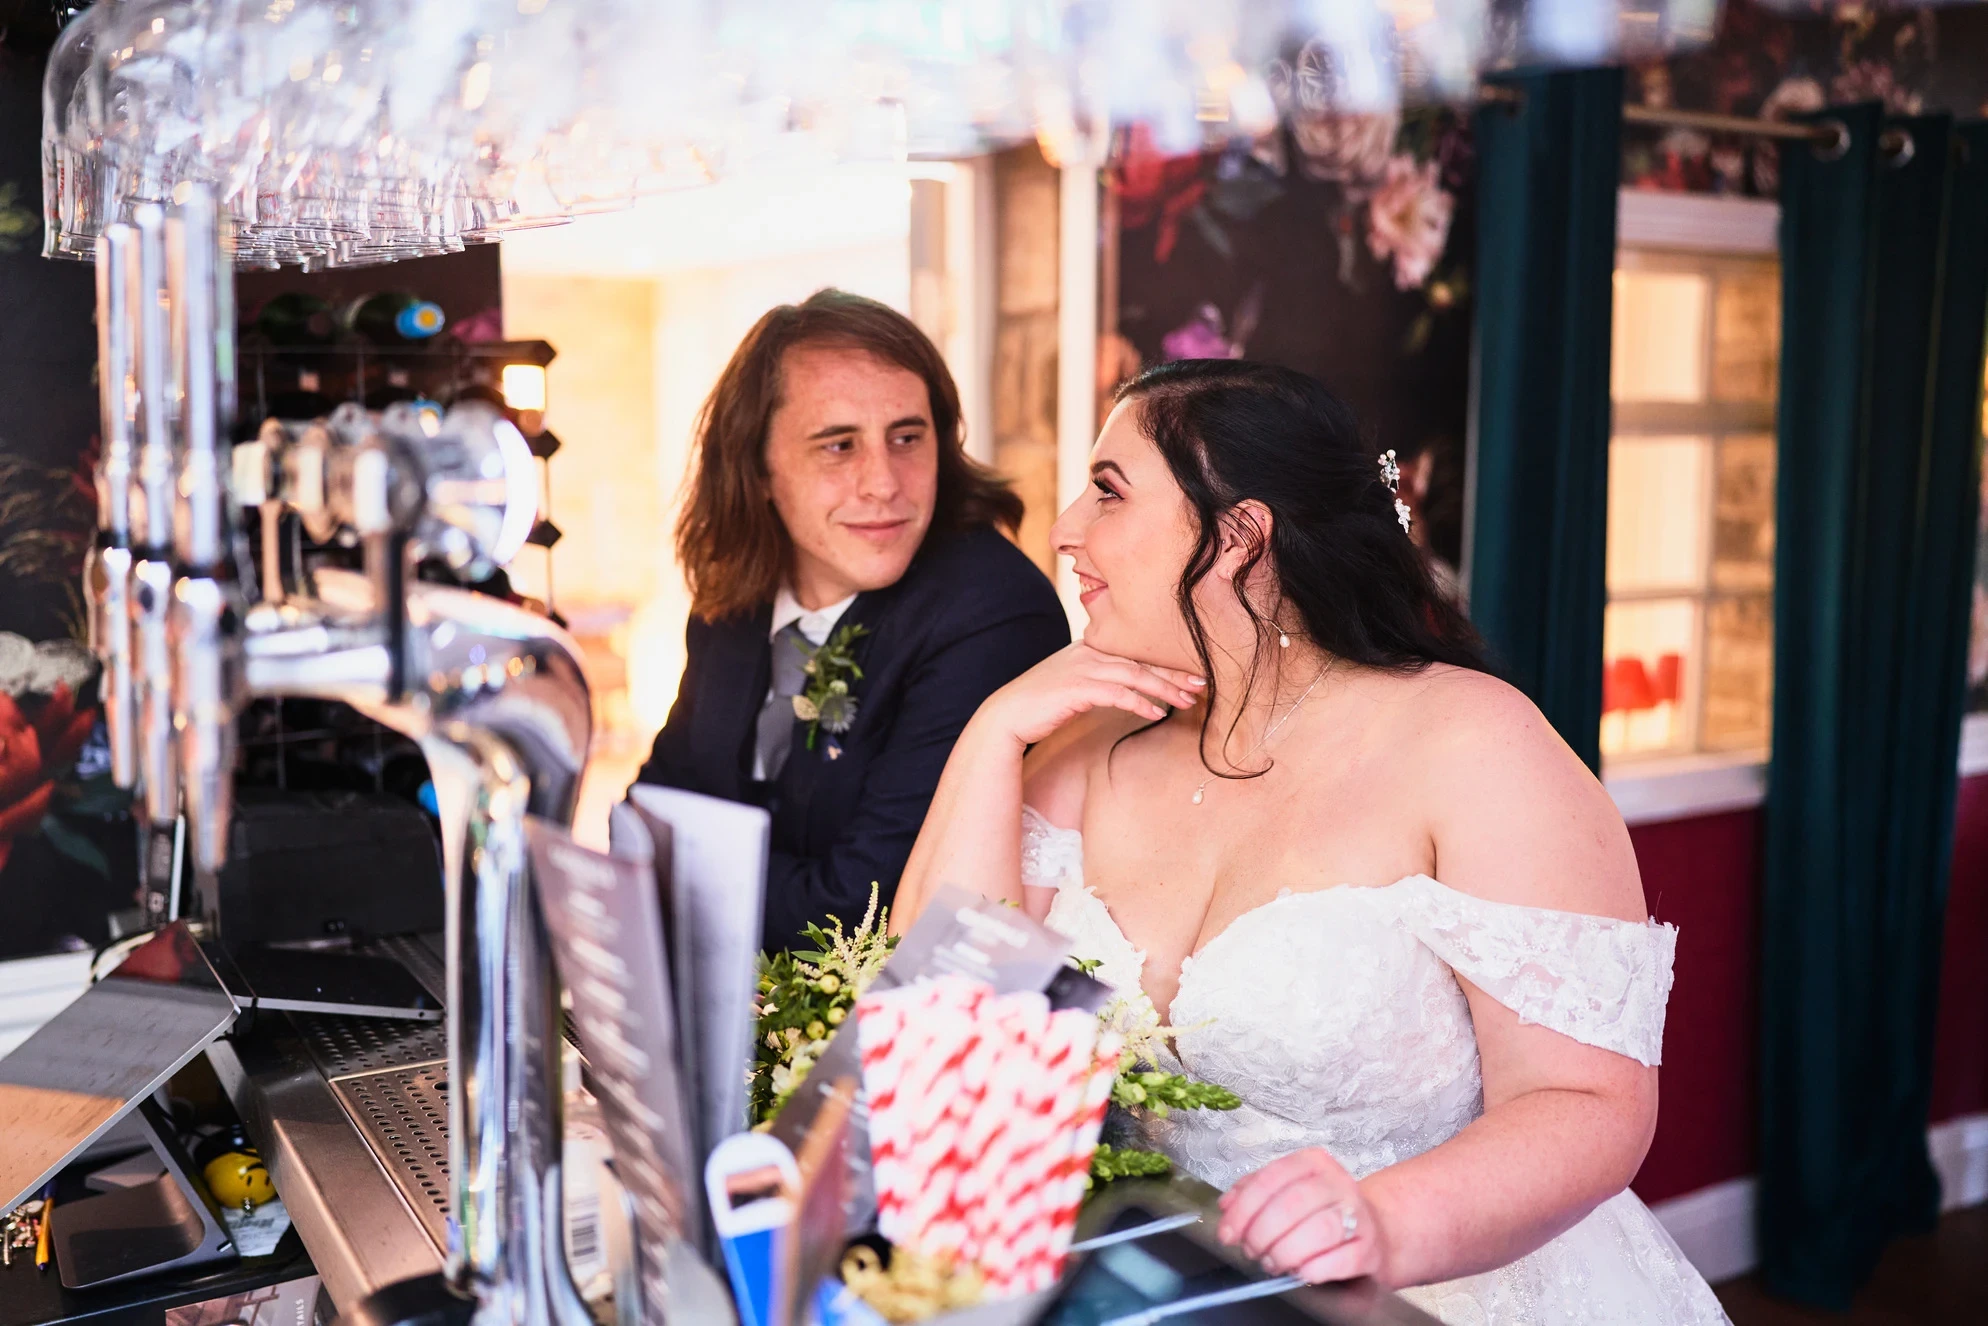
(815, 625)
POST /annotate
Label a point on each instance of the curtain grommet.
(1898, 147)
(1836, 145)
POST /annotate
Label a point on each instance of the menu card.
(710, 862)
(607, 938)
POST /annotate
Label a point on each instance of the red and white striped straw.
(984, 1114)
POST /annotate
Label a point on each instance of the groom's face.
(853, 465)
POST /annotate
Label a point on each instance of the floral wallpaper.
(67, 846)
(1341, 244)
(1337, 244)
(1777, 66)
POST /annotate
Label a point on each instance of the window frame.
(1702, 235)
(1659, 788)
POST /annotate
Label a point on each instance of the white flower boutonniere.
(827, 703)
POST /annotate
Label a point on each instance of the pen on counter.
(41, 1226)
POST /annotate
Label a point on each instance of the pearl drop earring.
(1283, 640)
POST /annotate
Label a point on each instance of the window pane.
(1646, 657)
(1659, 336)
(1739, 672)
(1743, 515)
(1656, 512)
(1746, 336)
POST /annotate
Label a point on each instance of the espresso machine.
(420, 1164)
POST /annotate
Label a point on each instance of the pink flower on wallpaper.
(484, 325)
(1872, 80)
(1200, 337)
(1408, 220)
(1793, 96)
(1351, 149)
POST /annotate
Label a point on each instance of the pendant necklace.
(1268, 732)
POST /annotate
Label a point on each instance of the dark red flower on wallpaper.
(1155, 189)
(34, 751)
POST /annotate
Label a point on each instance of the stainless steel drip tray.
(352, 1046)
(404, 1113)
(351, 1116)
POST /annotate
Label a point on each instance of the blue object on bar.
(752, 1184)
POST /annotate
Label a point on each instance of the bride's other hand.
(1304, 1215)
(1078, 679)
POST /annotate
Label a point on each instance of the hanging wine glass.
(75, 183)
(337, 131)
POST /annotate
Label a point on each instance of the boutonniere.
(830, 667)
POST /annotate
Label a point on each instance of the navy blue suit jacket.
(970, 615)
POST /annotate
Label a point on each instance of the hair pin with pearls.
(1391, 476)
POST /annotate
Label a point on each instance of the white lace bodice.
(1336, 1016)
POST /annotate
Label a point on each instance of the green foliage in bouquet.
(1159, 1093)
(804, 996)
(1164, 1092)
(1144, 1087)
(1109, 1162)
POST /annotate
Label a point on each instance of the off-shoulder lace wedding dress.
(1336, 1016)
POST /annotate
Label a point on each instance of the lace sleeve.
(1602, 981)
(1049, 854)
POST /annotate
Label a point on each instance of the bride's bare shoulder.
(1516, 815)
(1451, 705)
(1058, 767)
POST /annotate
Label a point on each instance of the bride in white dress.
(1239, 794)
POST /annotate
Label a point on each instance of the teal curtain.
(1883, 293)
(1549, 164)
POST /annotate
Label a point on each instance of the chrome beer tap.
(493, 694)
(107, 572)
(152, 520)
(204, 611)
(496, 698)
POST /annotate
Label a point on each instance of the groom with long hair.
(853, 598)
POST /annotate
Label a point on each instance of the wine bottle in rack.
(394, 317)
(296, 319)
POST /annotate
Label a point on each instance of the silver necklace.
(1268, 732)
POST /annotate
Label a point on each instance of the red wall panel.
(1960, 1054)
(1702, 875)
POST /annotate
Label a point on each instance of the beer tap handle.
(152, 518)
(107, 578)
(480, 485)
(200, 514)
(371, 512)
(205, 618)
(253, 484)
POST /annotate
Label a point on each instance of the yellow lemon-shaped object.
(239, 1178)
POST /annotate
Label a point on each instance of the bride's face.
(1130, 535)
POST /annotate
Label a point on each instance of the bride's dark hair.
(1233, 431)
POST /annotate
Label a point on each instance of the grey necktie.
(776, 717)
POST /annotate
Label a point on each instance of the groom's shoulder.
(978, 573)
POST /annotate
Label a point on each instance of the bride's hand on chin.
(1079, 678)
(1304, 1215)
